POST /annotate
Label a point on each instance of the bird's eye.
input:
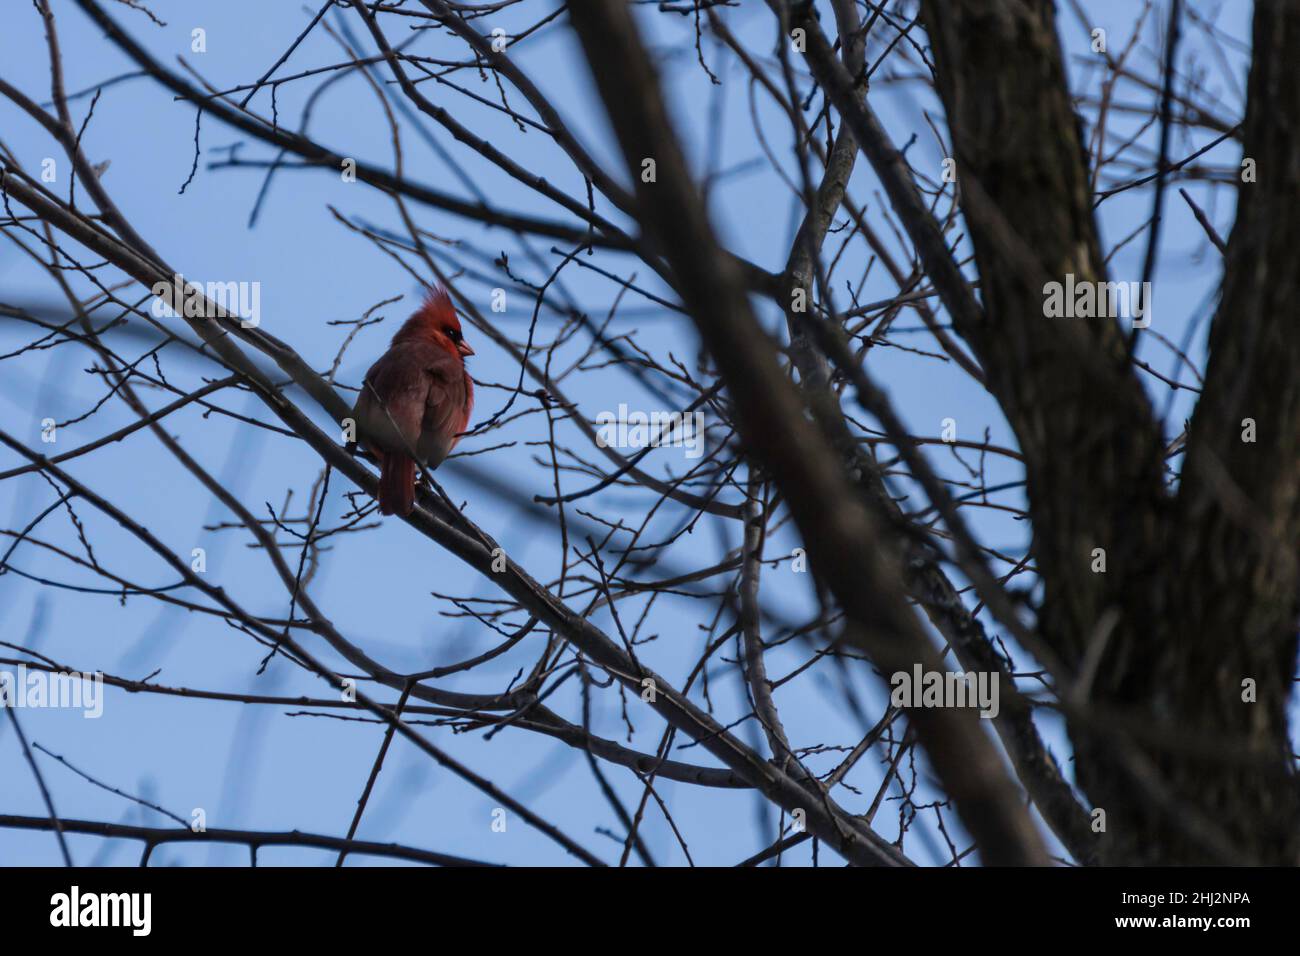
(453, 334)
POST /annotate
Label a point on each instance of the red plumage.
(416, 400)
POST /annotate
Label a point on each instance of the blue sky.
(258, 767)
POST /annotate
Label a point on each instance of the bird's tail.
(396, 485)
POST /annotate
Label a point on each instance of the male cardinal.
(416, 400)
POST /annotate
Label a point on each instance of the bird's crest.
(437, 310)
(435, 314)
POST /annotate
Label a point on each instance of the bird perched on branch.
(416, 400)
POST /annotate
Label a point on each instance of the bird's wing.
(391, 405)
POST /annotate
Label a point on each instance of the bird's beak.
(463, 348)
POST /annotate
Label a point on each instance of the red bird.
(416, 400)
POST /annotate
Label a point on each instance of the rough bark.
(1198, 593)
